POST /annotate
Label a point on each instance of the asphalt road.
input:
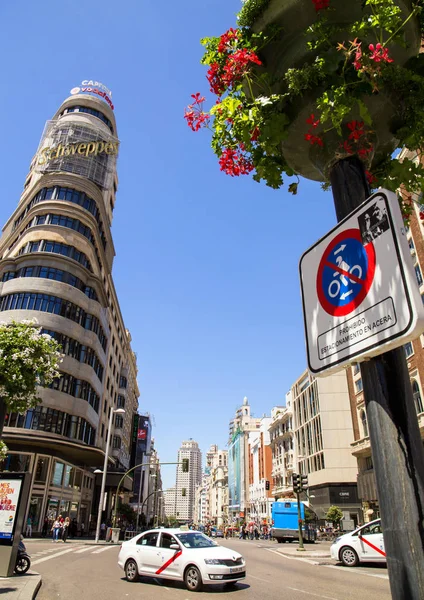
(74, 571)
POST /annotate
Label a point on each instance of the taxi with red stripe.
(365, 544)
(181, 555)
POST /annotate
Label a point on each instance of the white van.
(365, 544)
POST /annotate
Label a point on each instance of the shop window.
(42, 469)
(57, 473)
(77, 479)
(67, 480)
(16, 462)
(358, 385)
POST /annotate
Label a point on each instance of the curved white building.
(56, 261)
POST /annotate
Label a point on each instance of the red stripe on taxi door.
(168, 562)
(373, 547)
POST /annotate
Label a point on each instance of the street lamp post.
(113, 411)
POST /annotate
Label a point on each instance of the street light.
(114, 411)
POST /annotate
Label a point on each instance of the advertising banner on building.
(9, 500)
(80, 148)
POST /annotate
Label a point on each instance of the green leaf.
(364, 112)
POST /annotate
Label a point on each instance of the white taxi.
(188, 556)
(365, 544)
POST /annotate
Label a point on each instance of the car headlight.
(212, 561)
(337, 540)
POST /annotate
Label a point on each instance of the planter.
(289, 50)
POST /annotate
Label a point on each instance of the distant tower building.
(169, 502)
(186, 482)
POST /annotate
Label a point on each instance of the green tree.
(310, 516)
(334, 515)
(28, 359)
(127, 513)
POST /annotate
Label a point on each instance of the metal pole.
(396, 444)
(104, 475)
(299, 522)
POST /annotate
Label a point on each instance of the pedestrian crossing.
(44, 555)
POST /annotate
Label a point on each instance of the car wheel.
(131, 571)
(192, 579)
(349, 557)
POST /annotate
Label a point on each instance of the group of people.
(253, 531)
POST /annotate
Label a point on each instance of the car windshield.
(195, 539)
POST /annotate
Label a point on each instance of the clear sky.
(206, 265)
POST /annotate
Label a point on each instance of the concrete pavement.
(20, 587)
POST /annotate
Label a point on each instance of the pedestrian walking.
(102, 531)
(56, 527)
(28, 531)
(45, 527)
(83, 528)
(65, 529)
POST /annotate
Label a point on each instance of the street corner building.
(56, 266)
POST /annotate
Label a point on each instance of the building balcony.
(282, 491)
(362, 447)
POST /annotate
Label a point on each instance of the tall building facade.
(312, 435)
(216, 474)
(186, 483)
(140, 454)
(56, 266)
(260, 473)
(238, 461)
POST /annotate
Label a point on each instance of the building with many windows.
(186, 482)
(312, 436)
(56, 266)
(260, 473)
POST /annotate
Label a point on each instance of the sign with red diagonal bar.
(359, 287)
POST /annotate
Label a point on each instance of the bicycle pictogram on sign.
(345, 273)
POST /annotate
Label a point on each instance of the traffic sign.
(359, 290)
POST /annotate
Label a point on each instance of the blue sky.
(206, 265)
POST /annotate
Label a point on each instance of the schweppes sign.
(84, 149)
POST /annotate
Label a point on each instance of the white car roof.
(171, 530)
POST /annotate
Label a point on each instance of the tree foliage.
(334, 515)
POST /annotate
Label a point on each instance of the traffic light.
(267, 485)
(304, 482)
(185, 465)
(296, 483)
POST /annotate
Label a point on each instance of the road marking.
(312, 594)
(258, 578)
(102, 549)
(40, 560)
(357, 571)
(311, 562)
(83, 550)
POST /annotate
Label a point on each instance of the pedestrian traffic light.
(304, 482)
(185, 465)
(267, 485)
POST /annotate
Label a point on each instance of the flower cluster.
(224, 74)
(309, 136)
(194, 114)
(321, 4)
(234, 162)
(28, 359)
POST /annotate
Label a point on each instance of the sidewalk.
(20, 587)
(319, 550)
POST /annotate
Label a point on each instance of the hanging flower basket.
(303, 83)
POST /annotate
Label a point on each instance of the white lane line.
(102, 550)
(258, 578)
(86, 549)
(357, 571)
(312, 594)
(311, 562)
(40, 560)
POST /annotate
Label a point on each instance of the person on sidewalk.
(56, 530)
(28, 531)
(103, 531)
(65, 529)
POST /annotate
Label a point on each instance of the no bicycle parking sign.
(359, 290)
